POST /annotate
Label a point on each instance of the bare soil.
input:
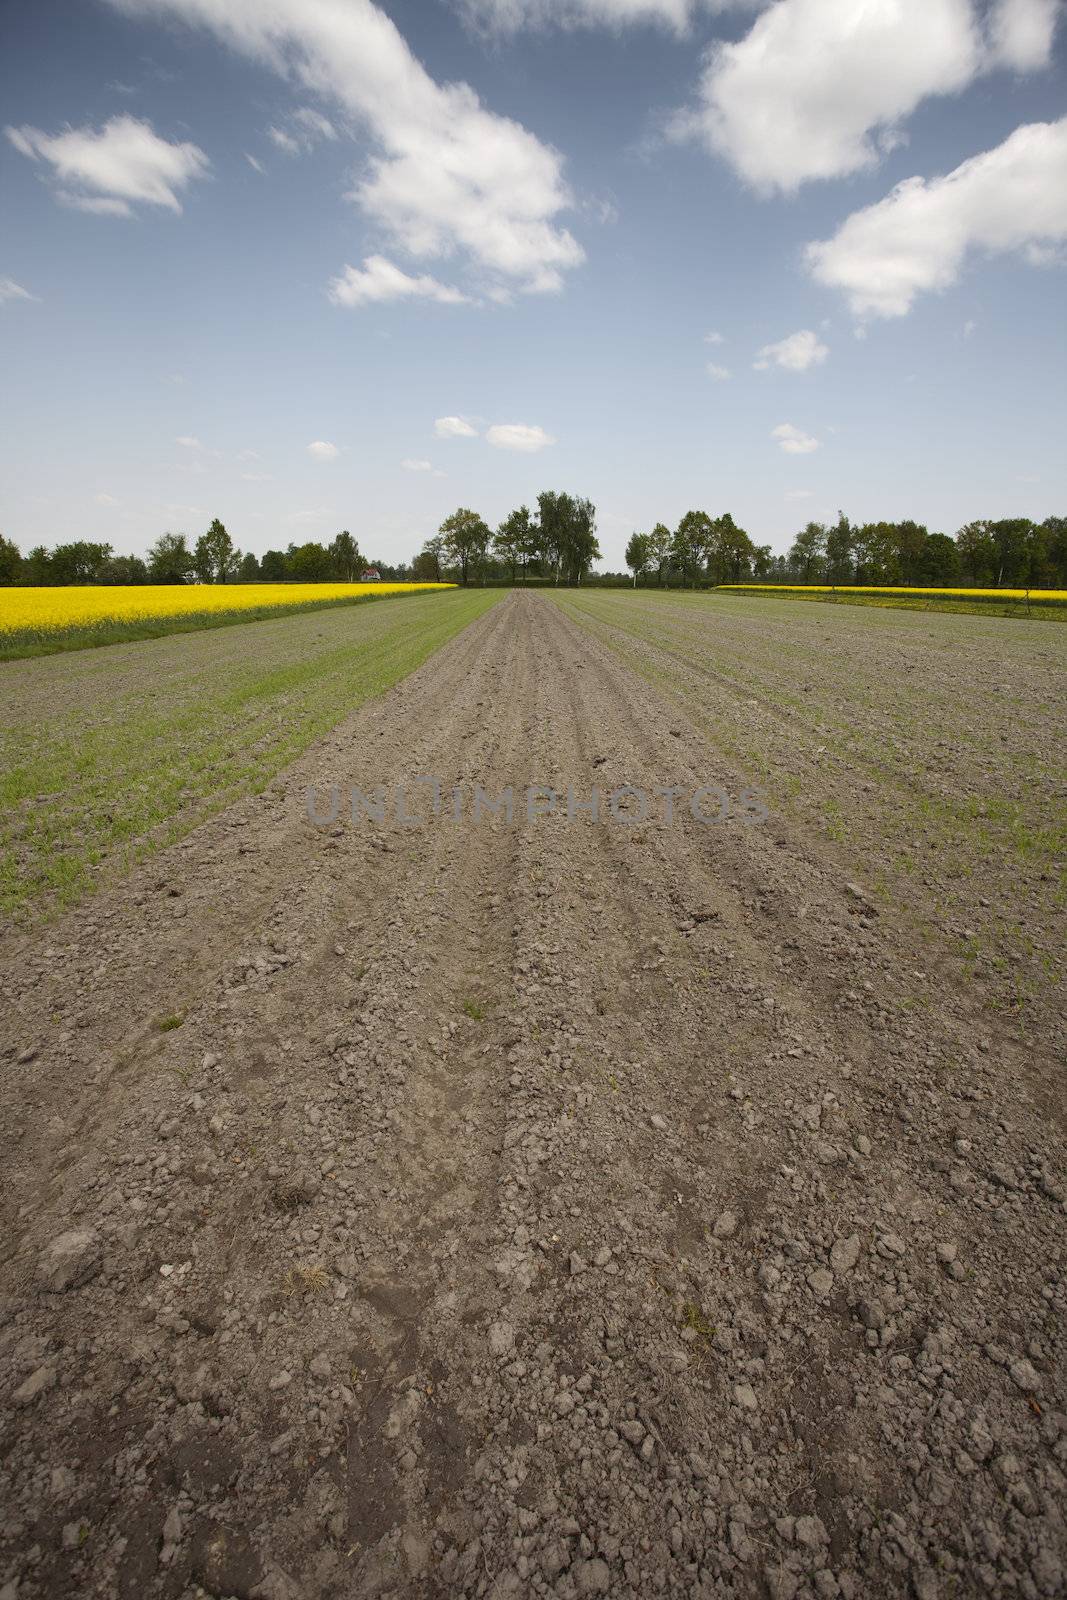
(555, 1208)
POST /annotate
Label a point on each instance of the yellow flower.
(56, 610)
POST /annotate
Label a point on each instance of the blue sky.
(471, 250)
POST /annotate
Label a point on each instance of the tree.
(10, 560)
(659, 546)
(170, 560)
(347, 561)
(690, 545)
(805, 558)
(567, 534)
(310, 563)
(274, 567)
(37, 567)
(729, 551)
(840, 551)
(248, 571)
(425, 568)
(762, 561)
(511, 541)
(638, 554)
(122, 569)
(431, 558)
(78, 562)
(466, 538)
(977, 553)
(215, 558)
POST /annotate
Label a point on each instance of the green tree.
(215, 558)
(274, 567)
(690, 545)
(806, 554)
(466, 538)
(248, 571)
(659, 546)
(638, 554)
(729, 551)
(122, 569)
(511, 541)
(347, 561)
(78, 562)
(170, 560)
(37, 567)
(840, 551)
(310, 563)
(10, 561)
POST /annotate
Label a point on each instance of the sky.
(306, 265)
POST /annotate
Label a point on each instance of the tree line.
(1011, 553)
(213, 558)
(556, 543)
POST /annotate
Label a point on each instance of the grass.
(107, 756)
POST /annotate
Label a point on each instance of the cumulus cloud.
(720, 374)
(1021, 32)
(821, 88)
(796, 353)
(794, 441)
(410, 465)
(381, 280)
(518, 436)
(448, 175)
(10, 290)
(454, 428)
(188, 441)
(713, 338)
(322, 450)
(1012, 198)
(114, 167)
(103, 499)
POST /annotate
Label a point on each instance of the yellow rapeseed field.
(56, 611)
(900, 589)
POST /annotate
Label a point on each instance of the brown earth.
(562, 1207)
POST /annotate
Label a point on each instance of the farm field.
(557, 1206)
(35, 622)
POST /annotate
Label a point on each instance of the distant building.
(372, 575)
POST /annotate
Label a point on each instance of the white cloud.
(1011, 198)
(817, 88)
(720, 374)
(189, 441)
(508, 16)
(314, 124)
(126, 161)
(410, 465)
(322, 450)
(454, 428)
(10, 290)
(1021, 32)
(256, 165)
(105, 499)
(796, 353)
(798, 494)
(969, 327)
(794, 441)
(449, 174)
(518, 436)
(713, 338)
(284, 141)
(306, 129)
(257, 477)
(380, 280)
